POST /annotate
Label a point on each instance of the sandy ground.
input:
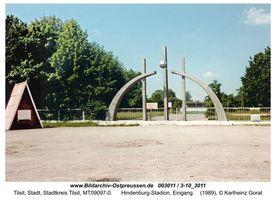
(145, 153)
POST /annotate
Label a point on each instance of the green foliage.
(133, 99)
(229, 100)
(79, 64)
(256, 89)
(82, 124)
(16, 31)
(158, 96)
(188, 96)
(69, 62)
(63, 69)
(216, 87)
(225, 99)
(176, 103)
(37, 44)
(239, 97)
(69, 124)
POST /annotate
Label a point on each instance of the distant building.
(195, 104)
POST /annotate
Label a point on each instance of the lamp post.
(164, 66)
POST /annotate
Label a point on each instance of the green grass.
(69, 124)
(137, 115)
(81, 124)
(155, 114)
(240, 117)
(237, 117)
(129, 115)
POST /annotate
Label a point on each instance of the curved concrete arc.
(113, 107)
(218, 106)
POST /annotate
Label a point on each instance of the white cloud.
(97, 33)
(210, 75)
(256, 16)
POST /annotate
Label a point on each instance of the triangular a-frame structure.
(21, 112)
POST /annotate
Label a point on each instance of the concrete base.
(184, 123)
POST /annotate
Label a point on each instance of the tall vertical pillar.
(144, 91)
(164, 66)
(184, 115)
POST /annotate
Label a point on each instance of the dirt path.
(145, 153)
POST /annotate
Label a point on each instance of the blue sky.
(216, 39)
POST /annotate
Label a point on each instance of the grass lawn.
(137, 115)
(241, 116)
(48, 124)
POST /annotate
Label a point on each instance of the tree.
(103, 78)
(188, 96)
(16, 31)
(80, 64)
(256, 81)
(158, 96)
(215, 86)
(227, 100)
(239, 97)
(133, 99)
(41, 43)
(176, 103)
(69, 63)
(38, 44)
(64, 70)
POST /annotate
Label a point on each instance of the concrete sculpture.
(218, 106)
(113, 107)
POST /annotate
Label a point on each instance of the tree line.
(255, 90)
(63, 69)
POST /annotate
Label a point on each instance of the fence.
(137, 114)
(61, 114)
(241, 114)
(198, 113)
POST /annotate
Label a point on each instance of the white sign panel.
(170, 104)
(24, 115)
(255, 117)
(152, 105)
